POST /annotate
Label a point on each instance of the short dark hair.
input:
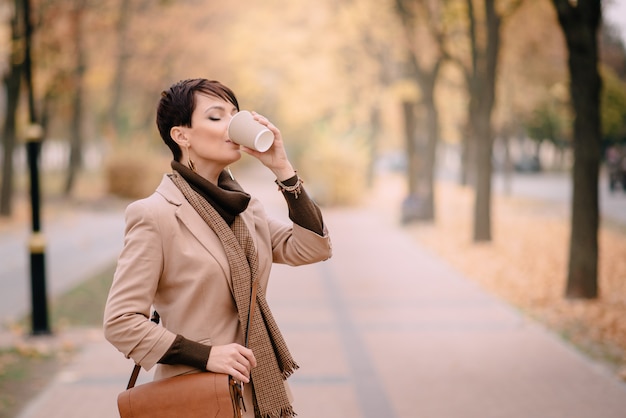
(178, 103)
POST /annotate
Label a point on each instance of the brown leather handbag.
(191, 395)
(204, 394)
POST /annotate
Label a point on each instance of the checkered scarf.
(274, 362)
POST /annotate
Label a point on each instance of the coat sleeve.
(127, 311)
(295, 245)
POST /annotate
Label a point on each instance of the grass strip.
(26, 369)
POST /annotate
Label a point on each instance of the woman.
(179, 256)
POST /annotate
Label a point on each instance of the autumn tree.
(121, 58)
(424, 30)
(580, 22)
(480, 77)
(12, 82)
(78, 81)
(367, 52)
(479, 67)
(61, 66)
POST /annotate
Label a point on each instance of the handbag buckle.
(237, 388)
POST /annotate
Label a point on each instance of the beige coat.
(172, 260)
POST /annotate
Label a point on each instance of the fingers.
(249, 355)
(261, 119)
(232, 359)
(274, 158)
(266, 122)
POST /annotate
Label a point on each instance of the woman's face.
(209, 145)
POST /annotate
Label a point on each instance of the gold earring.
(190, 163)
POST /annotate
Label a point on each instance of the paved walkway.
(557, 188)
(385, 329)
(79, 244)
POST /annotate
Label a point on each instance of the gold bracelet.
(296, 189)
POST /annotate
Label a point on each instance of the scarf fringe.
(290, 369)
(286, 412)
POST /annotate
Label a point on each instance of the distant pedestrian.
(616, 166)
(193, 248)
(623, 168)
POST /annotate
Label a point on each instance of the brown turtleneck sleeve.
(302, 209)
(188, 352)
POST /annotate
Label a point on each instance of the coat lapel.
(196, 225)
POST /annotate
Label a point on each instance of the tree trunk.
(76, 149)
(580, 25)
(483, 98)
(372, 142)
(430, 157)
(507, 168)
(465, 159)
(123, 55)
(482, 187)
(12, 82)
(412, 204)
(410, 126)
(426, 79)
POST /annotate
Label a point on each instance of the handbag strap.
(156, 318)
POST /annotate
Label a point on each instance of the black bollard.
(37, 242)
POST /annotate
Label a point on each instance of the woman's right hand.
(233, 359)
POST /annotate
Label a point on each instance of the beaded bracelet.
(296, 189)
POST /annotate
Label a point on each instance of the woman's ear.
(178, 136)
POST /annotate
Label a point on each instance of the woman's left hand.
(274, 158)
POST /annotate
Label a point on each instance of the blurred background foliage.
(331, 74)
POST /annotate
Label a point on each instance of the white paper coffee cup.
(246, 131)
